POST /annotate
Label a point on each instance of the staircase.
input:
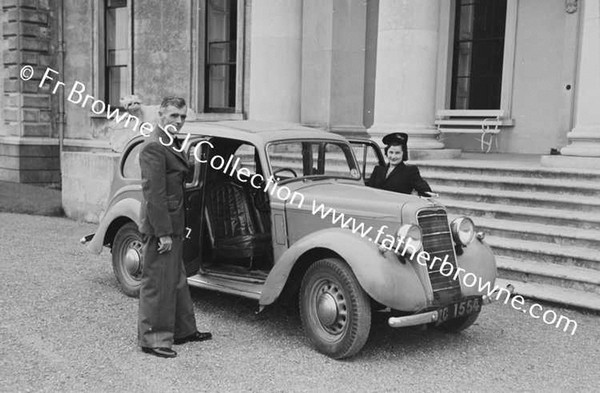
(542, 223)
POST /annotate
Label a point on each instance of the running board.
(234, 277)
(244, 289)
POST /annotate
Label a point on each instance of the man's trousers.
(166, 310)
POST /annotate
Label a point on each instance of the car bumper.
(413, 320)
(426, 317)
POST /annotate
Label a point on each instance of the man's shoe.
(160, 352)
(197, 336)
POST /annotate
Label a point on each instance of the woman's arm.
(418, 183)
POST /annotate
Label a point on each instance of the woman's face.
(395, 155)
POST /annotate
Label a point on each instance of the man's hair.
(177, 102)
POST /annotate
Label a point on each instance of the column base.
(433, 154)
(32, 160)
(419, 137)
(585, 142)
(350, 131)
(571, 162)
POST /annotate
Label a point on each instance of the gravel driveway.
(66, 327)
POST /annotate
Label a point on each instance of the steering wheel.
(283, 170)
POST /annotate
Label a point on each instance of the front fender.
(477, 258)
(128, 207)
(382, 276)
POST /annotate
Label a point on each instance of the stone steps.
(553, 234)
(545, 252)
(580, 279)
(525, 214)
(504, 169)
(513, 183)
(553, 294)
(543, 224)
(520, 198)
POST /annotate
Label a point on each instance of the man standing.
(166, 314)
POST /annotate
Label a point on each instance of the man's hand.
(164, 244)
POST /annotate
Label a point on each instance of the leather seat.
(235, 227)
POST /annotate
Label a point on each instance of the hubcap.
(331, 308)
(133, 258)
(327, 309)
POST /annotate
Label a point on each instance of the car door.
(194, 205)
(368, 154)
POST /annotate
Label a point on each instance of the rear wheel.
(128, 259)
(335, 311)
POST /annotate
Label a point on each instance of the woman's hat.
(395, 138)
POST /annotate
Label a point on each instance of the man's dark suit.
(166, 310)
(404, 178)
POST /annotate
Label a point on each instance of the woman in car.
(396, 175)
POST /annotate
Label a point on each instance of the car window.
(131, 163)
(233, 157)
(295, 159)
(247, 158)
(367, 158)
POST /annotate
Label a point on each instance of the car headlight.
(463, 230)
(410, 238)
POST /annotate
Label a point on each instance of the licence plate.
(460, 309)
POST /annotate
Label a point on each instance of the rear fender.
(382, 276)
(129, 208)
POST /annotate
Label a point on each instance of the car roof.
(259, 132)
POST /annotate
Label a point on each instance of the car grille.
(437, 241)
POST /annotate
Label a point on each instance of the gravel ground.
(67, 327)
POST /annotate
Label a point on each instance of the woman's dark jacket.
(404, 178)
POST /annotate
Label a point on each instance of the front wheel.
(335, 311)
(128, 259)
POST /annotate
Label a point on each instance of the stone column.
(333, 65)
(29, 149)
(275, 60)
(405, 88)
(585, 136)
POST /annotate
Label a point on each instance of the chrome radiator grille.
(437, 241)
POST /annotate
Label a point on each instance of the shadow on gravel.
(28, 199)
(406, 342)
(280, 322)
(274, 323)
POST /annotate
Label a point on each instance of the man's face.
(172, 118)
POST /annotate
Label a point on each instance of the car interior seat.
(235, 226)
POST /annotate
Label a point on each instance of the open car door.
(195, 185)
(368, 154)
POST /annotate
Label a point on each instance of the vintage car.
(254, 229)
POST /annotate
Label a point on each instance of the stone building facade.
(29, 143)
(357, 67)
